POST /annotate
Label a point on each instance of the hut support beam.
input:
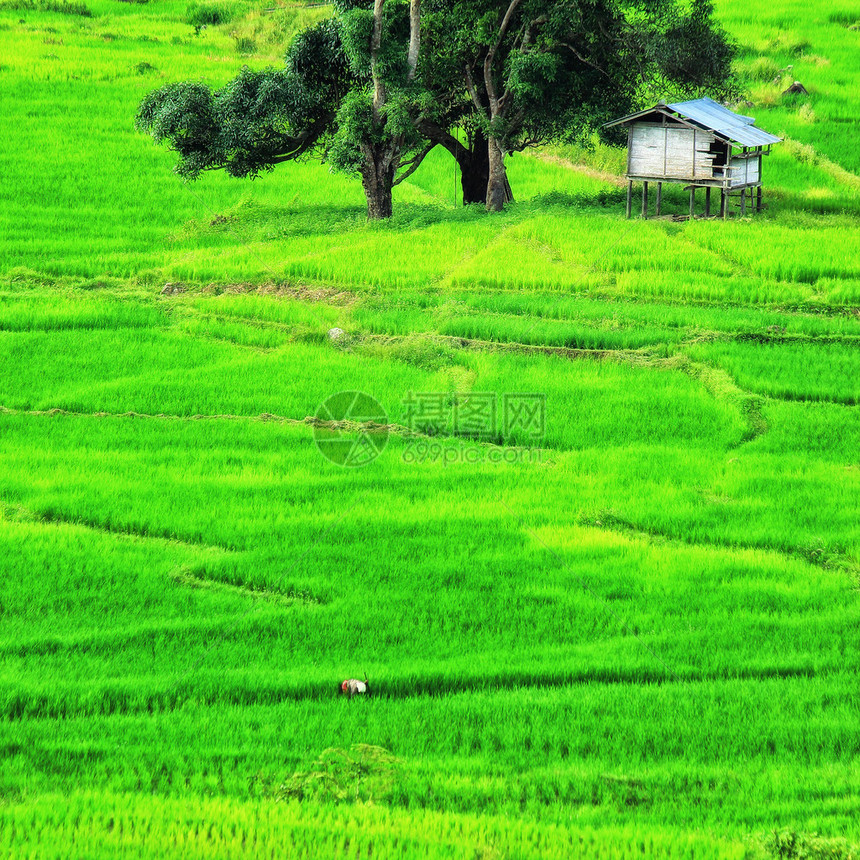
(629, 197)
(724, 203)
(644, 199)
(758, 199)
(692, 201)
(707, 201)
(743, 202)
(659, 204)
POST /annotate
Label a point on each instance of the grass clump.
(200, 15)
(61, 7)
(792, 845)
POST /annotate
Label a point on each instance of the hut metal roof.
(709, 114)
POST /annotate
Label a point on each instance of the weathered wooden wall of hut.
(670, 151)
(746, 170)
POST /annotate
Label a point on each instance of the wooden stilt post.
(692, 201)
(743, 202)
(707, 201)
(629, 197)
(758, 199)
(659, 197)
(724, 203)
(644, 199)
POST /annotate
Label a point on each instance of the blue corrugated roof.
(737, 128)
(709, 114)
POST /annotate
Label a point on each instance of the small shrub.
(245, 45)
(363, 773)
(763, 69)
(765, 95)
(803, 152)
(806, 114)
(428, 353)
(790, 44)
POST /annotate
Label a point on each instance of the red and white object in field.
(353, 687)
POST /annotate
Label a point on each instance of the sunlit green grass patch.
(822, 371)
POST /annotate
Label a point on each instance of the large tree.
(535, 70)
(347, 92)
(377, 125)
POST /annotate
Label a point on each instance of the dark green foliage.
(563, 69)
(696, 53)
(363, 773)
(317, 64)
(258, 119)
(183, 114)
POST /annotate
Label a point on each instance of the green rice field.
(629, 628)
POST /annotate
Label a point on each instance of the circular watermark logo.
(351, 429)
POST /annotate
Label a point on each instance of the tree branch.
(414, 36)
(491, 56)
(470, 86)
(525, 45)
(443, 138)
(379, 94)
(585, 60)
(414, 164)
(528, 36)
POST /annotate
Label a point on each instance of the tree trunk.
(474, 167)
(473, 159)
(498, 187)
(377, 177)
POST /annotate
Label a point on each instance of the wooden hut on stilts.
(700, 144)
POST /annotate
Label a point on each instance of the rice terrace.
(372, 486)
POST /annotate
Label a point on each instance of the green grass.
(807, 371)
(634, 635)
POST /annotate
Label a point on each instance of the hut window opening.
(720, 151)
